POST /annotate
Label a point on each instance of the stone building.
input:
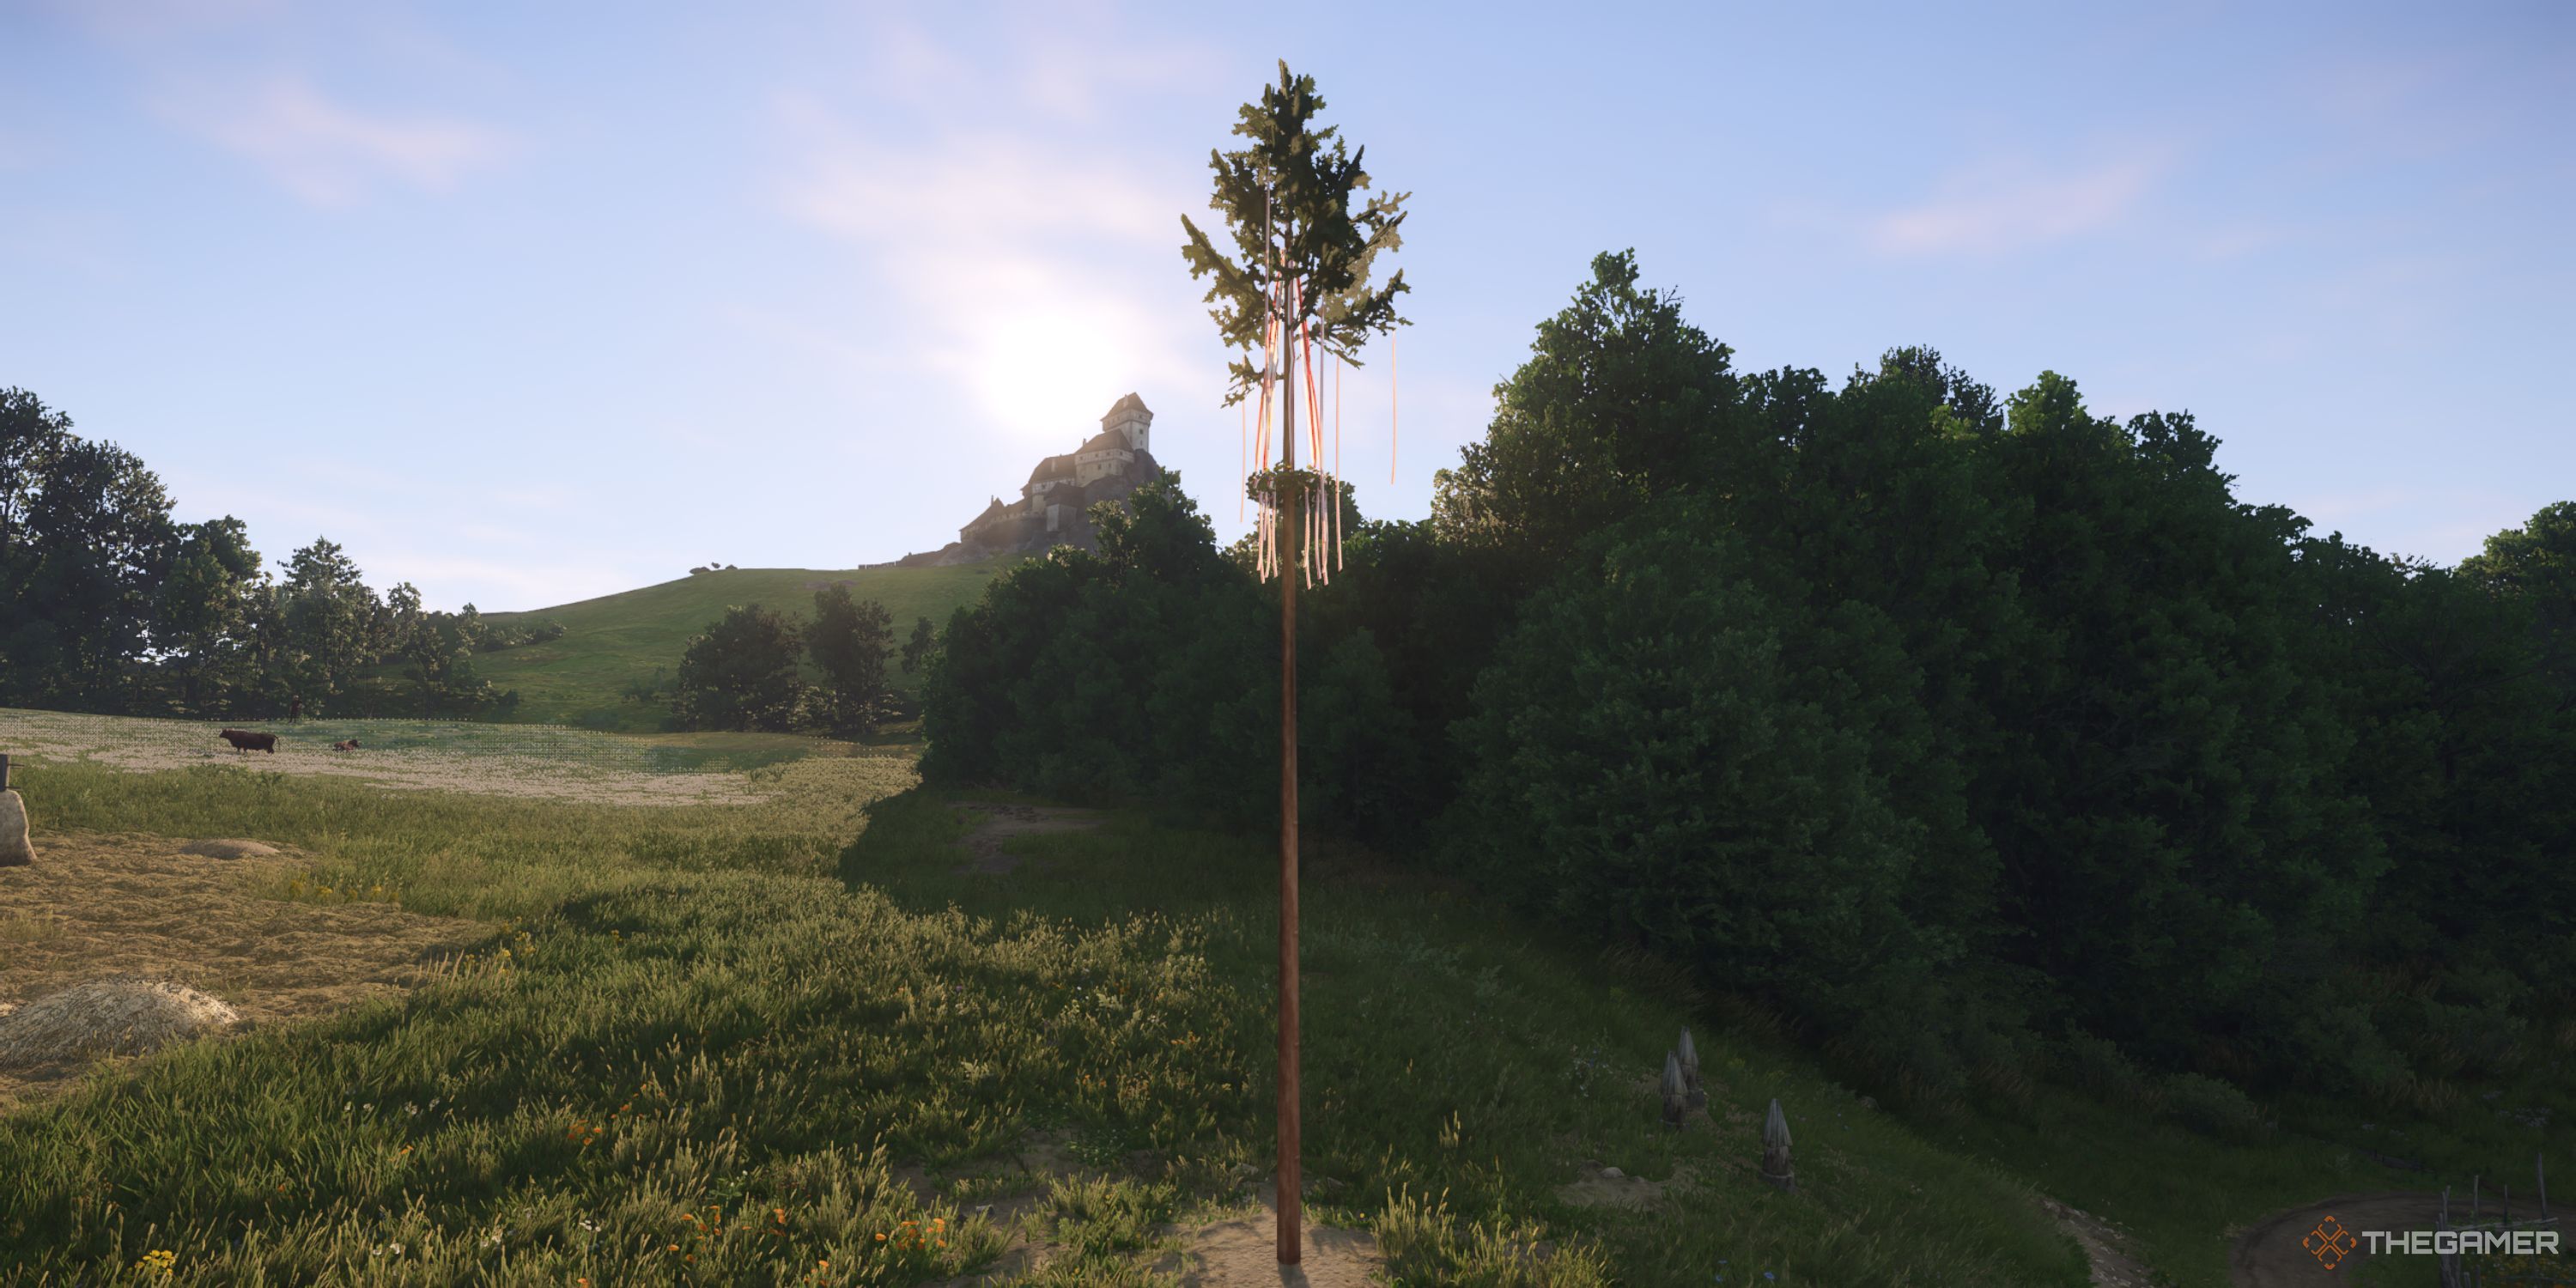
(1053, 508)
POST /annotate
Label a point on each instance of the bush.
(741, 674)
(2215, 1109)
(2100, 1069)
(849, 640)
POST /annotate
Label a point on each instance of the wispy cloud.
(1058, 61)
(1033, 254)
(331, 154)
(1017, 262)
(2001, 205)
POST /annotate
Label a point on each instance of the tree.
(440, 648)
(2537, 564)
(332, 621)
(849, 641)
(202, 622)
(1131, 674)
(1621, 402)
(2166, 742)
(741, 673)
(1664, 754)
(85, 541)
(30, 436)
(918, 650)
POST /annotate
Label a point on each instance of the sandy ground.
(2272, 1254)
(1002, 824)
(547, 765)
(1245, 1252)
(104, 904)
(1239, 1250)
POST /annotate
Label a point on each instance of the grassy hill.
(580, 679)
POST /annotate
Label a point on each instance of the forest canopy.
(1971, 732)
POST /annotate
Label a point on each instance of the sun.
(1044, 373)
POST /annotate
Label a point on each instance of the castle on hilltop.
(1054, 506)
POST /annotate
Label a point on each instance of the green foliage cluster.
(1958, 727)
(109, 605)
(742, 673)
(1149, 671)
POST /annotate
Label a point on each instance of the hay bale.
(228, 849)
(15, 850)
(111, 1015)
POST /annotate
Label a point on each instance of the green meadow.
(793, 1042)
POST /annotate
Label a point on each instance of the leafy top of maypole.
(1287, 202)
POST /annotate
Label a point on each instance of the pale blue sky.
(526, 303)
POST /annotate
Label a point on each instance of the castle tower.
(1128, 416)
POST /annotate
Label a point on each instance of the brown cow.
(348, 745)
(243, 740)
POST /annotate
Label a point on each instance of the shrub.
(741, 674)
(2102, 1070)
(2215, 1109)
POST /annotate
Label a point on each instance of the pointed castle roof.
(1130, 402)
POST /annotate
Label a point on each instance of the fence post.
(4, 771)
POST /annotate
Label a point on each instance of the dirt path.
(2274, 1254)
(1002, 824)
(2105, 1245)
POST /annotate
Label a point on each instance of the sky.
(524, 304)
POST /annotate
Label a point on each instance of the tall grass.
(687, 1053)
(1460, 1066)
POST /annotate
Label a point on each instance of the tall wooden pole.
(1290, 525)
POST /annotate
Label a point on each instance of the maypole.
(1291, 1166)
(1302, 286)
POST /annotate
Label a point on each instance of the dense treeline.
(109, 605)
(743, 671)
(1975, 734)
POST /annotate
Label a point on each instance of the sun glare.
(1045, 375)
